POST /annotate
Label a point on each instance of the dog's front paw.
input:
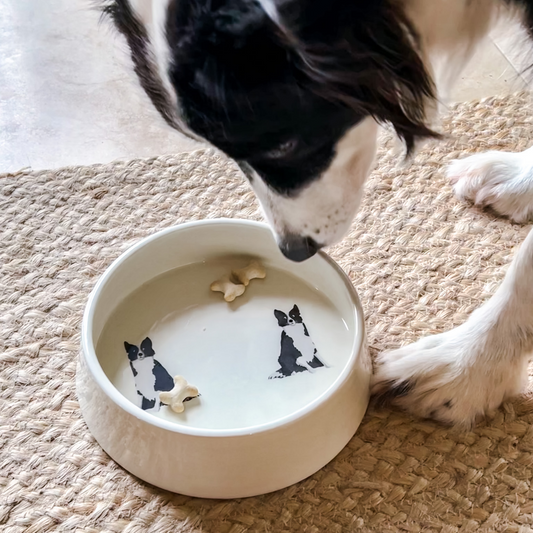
(502, 181)
(455, 377)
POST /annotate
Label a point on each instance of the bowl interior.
(270, 355)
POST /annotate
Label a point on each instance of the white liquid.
(227, 350)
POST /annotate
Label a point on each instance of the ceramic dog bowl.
(282, 371)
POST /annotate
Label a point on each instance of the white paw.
(500, 180)
(455, 377)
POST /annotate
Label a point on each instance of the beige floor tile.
(513, 42)
(489, 73)
(68, 95)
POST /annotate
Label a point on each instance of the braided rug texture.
(421, 261)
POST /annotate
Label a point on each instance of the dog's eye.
(283, 149)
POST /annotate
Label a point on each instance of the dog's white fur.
(457, 376)
(461, 374)
(450, 31)
(152, 15)
(466, 372)
(501, 180)
(324, 210)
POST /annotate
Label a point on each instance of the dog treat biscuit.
(254, 270)
(231, 290)
(182, 392)
(235, 284)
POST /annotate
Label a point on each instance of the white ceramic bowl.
(246, 434)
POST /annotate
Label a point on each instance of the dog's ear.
(281, 316)
(146, 346)
(127, 346)
(294, 312)
(375, 68)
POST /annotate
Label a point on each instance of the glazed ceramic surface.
(282, 371)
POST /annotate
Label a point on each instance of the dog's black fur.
(281, 100)
(278, 100)
(127, 24)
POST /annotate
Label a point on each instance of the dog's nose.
(297, 248)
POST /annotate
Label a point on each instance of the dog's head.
(288, 320)
(135, 353)
(292, 90)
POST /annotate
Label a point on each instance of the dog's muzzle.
(297, 248)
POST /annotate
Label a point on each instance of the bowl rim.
(105, 384)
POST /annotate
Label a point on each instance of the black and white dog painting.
(150, 376)
(298, 352)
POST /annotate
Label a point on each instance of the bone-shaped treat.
(182, 392)
(254, 270)
(235, 284)
(231, 290)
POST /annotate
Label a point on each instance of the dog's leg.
(459, 375)
(302, 362)
(500, 180)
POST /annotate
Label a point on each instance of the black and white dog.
(298, 352)
(150, 376)
(294, 90)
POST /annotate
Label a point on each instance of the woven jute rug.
(421, 261)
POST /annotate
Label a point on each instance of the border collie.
(294, 90)
(150, 376)
(298, 352)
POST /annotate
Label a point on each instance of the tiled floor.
(68, 96)
(67, 92)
